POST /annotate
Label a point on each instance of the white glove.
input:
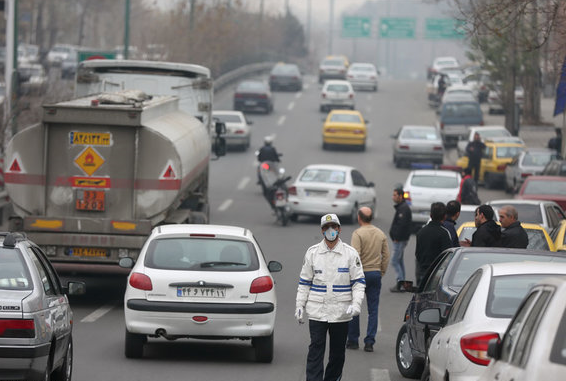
(299, 315)
(353, 310)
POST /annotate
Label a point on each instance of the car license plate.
(337, 101)
(250, 103)
(88, 252)
(201, 292)
(92, 200)
(313, 193)
(279, 203)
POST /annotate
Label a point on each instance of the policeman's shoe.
(368, 347)
(395, 288)
(352, 345)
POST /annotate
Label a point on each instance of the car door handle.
(448, 341)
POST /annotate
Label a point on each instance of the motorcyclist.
(267, 152)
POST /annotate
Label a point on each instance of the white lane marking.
(243, 183)
(281, 120)
(225, 205)
(379, 375)
(299, 94)
(369, 96)
(97, 314)
(291, 106)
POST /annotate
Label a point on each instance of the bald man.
(513, 235)
(371, 244)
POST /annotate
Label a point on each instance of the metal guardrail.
(241, 72)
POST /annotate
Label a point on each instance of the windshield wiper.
(221, 263)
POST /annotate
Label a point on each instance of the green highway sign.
(354, 26)
(84, 55)
(397, 27)
(444, 29)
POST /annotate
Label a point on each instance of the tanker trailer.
(90, 182)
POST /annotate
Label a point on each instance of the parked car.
(341, 188)
(458, 90)
(551, 188)
(28, 53)
(555, 168)
(526, 163)
(69, 65)
(362, 76)
(494, 99)
(548, 214)
(558, 235)
(36, 330)
(332, 67)
(200, 281)
(456, 117)
(439, 288)
(238, 132)
(58, 53)
(533, 347)
(417, 143)
(285, 76)
(539, 239)
(441, 63)
(35, 79)
(253, 96)
(337, 94)
(423, 187)
(486, 133)
(344, 128)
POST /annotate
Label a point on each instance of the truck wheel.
(408, 365)
(133, 348)
(263, 347)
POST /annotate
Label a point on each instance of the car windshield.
(333, 62)
(447, 63)
(507, 292)
(228, 118)
(507, 152)
(539, 159)
(537, 239)
(324, 176)
(338, 88)
(346, 118)
(461, 109)
(527, 212)
(432, 181)
(285, 69)
(362, 68)
(491, 133)
(251, 86)
(201, 254)
(14, 274)
(545, 187)
(419, 133)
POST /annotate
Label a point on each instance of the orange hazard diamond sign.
(89, 160)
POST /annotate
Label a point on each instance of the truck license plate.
(88, 252)
(92, 200)
(201, 292)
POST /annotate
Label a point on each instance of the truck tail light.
(474, 346)
(141, 282)
(261, 284)
(292, 190)
(342, 193)
(17, 328)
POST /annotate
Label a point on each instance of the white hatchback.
(337, 94)
(200, 281)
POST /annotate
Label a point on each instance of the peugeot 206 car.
(35, 316)
(200, 282)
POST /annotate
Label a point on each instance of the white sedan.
(238, 132)
(362, 75)
(481, 312)
(337, 94)
(326, 188)
(423, 187)
(200, 281)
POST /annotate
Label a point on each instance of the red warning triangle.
(169, 173)
(15, 167)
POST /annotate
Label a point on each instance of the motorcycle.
(274, 185)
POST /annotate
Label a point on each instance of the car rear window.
(420, 133)
(14, 274)
(492, 133)
(338, 88)
(507, 292)
(461, 110)
(251, 86)
(538, 159)
(527, 212)
(545, 187)
(346, 118)
(285, 69)
(228, 118)
(362, 68)
(467, 263)
(333, 62)
(434, 181)
(507, 152)
(324, 176)
(201, 254)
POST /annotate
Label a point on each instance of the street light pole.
(331, 27)
(127, 29)
(308, 34)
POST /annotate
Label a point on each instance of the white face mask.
(331, 234)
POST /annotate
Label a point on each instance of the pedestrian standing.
(400, 232)
(513, 234)
(474, 151)
(452, 213)
(488, 233)
(432, 240)
(331, 290)
(371, 244)
(468, 194)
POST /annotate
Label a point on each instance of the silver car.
(35, 316)
(526, 163)
(337, 94)
(362, 76)
(238, 133)
(417, 143)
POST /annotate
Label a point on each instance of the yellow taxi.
(344, 127)
(538, 237)
(559, 236)
(497, 154)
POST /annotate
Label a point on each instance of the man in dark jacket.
(513, 234)
(474, 151)
(488, 233)
(468, 189)
(452, 214)
(400, 232)
(432, 240)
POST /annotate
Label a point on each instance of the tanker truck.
(91, 181)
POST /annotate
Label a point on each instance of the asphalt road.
(237, 200)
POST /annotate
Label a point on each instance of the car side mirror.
(429, 316)
(220, 128)
(494, 349)
(371, 184)
(274, 266)
(76, 288)
(126, 262)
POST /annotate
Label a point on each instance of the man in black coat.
(488, 233)
(513, 234)
(474, 151)
(452, 213)
(400, 232)
(432, 240)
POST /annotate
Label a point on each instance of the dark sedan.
(439, 288)
(285, 76)
(253, 96)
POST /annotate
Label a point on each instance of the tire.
(322, 108)
(263, 347)
(134, 342)
(324, 146)
(294, 217)
(362, 148)
(65, 371)
(408, 365)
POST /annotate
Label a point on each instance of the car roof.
(502, 143)
(546, 178)
(362, 64)
(505, 250)
(329, 166)
(432, 172)
(336, 81)
(541, 150)
(225, 230)
(490, 127)
(526, 267)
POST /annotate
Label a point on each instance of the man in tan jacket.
(371, 244)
